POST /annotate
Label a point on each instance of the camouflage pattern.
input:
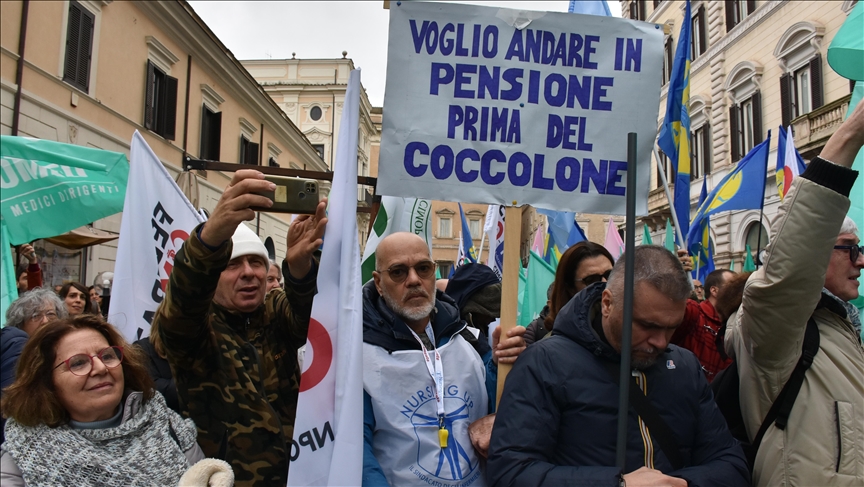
(237, 375)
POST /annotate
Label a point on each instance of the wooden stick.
(510, 282)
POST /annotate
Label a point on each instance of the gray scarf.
(139, 452)
(851, 311)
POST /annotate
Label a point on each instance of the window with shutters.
(248, 151)
(798, 54)
(319, 148)
(738, 10)
(745, 110)
(445, 227)
(211, 134)
(79, 46)
(667, 60)
(160, 102)
(698, 37)
(700, 137)
(665, 164)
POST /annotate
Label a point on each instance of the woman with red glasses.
(83, 398)
(580, 266)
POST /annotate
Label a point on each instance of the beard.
(411, 313)
(646, 359)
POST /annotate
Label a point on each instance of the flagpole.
(627, 325)
(762, 209)
(480, 253)
(661, 171)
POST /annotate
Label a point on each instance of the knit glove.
(209, 472)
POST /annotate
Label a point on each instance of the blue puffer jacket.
(557, 421)
(12, 341)
(384, 329)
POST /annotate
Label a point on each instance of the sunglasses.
(399, 272)
(854, 251)
(595, 278)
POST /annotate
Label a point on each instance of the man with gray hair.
(799, 300)
(23, 317)
(557, 420)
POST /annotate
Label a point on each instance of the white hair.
(849, 226)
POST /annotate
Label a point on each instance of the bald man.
(424, 380)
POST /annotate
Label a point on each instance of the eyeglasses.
(51, 315)
(698, 287)
(595, 278)
(82, 363)
(399, 272)
(854, 251)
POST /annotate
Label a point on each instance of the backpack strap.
(782, 407)
(660, 430)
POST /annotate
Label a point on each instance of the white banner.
(518, 107)
(328, 432)
(157, 219)
(397, 215)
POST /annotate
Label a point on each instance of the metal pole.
(758, 259)
(627, 330)
(662, 173)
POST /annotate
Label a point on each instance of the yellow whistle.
(443, 434)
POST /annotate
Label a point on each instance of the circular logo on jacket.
(322, 355)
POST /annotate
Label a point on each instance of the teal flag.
(540, 276)
(856, 196)
(8, 280)
(749, 265)
(523, 278)
(646, 236)
(669, 240)
(732, 265)
(49, 188)
(846, 52)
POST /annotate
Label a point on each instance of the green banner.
(49, 188)
(8, 277)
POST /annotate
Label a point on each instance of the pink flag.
(614, 244)
(539, 240)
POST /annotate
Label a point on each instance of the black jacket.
(557, 419)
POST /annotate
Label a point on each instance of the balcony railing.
(813, 129)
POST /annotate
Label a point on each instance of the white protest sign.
(500, 106)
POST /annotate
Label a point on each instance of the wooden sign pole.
(510, 281)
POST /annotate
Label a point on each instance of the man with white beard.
(424, 380)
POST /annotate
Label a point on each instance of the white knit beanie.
(245, 242)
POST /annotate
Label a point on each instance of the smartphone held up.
(292, 195)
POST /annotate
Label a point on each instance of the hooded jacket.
(237, 374)
(557, 421)
(382, 328)
(823, 442)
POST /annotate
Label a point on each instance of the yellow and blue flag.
(468, 251)
(700, 244)
(741, 189)
(674, 139)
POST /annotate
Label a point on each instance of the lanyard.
(436, 371)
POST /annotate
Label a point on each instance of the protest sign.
(518, 107)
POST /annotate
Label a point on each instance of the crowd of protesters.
(209, 398)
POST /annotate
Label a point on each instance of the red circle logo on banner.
(322, 357)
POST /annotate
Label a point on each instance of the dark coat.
(557, 419)
(12, 341)
(160, 372)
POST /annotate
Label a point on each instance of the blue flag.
(470, 255)
(700, 245)
(674, 137)
(576, 235)
(741, 189)
(589, 7)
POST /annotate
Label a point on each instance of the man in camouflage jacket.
(232, 351)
